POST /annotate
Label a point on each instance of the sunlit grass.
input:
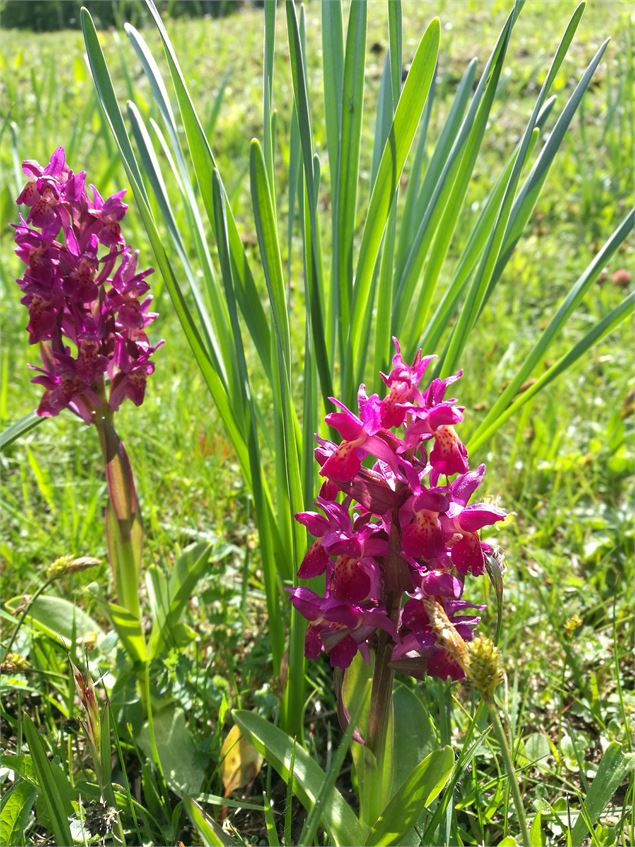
(565, 462)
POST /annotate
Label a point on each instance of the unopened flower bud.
(88, 699)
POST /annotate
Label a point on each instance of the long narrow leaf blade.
(407, 115)
(19, 428)
(279, 749)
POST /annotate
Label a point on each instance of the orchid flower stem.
(122, 516)
(380, 700)
(380, 724)
(503, 741)
(380, 716)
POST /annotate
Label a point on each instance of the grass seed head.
(70, 564)
(484, 668)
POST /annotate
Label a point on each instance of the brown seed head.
(447, 636)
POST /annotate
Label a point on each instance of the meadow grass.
(564, 465)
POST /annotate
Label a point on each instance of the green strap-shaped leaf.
(54, 787)
(289, 484)
(417, 792)
(267, 86)
(270, 543)
(311, 176)
(213, 333)
(129, 630)
(501, 408)
(599, 331)
(345, 186)
(204, 163)
(266, 229)
(333, 70)
(109, 104)
(189, 568)
(287, 464)
(59, 619)
(441, 319)
(19, 428)
(484, 279)
(530, 191)
(449, 188)
(395, 38)
(15, 808)
(614, 769)
(337, 818)
(211, 833)
(407, 116)
(307, 836)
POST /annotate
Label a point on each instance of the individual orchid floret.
(421, 532)
(87, 306)
(372, 490)
(359, 438)
(339, 628)
(461, 523)
(449, 455)
(337, 533)
(403, 387)
(44, 192)
(107, 215)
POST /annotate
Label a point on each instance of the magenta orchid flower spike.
(86, 299)
(398, 531)
(89, 309)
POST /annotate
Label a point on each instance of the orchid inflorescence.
(395, 545)
(83, 293)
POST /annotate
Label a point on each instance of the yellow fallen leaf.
(240, 761)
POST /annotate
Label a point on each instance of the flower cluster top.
(86, 300)
(396, 529)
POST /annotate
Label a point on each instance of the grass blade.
(345, 203)
(53, 785)
(599, 331)
(279, 749)
(557, 322)
(19, 428)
